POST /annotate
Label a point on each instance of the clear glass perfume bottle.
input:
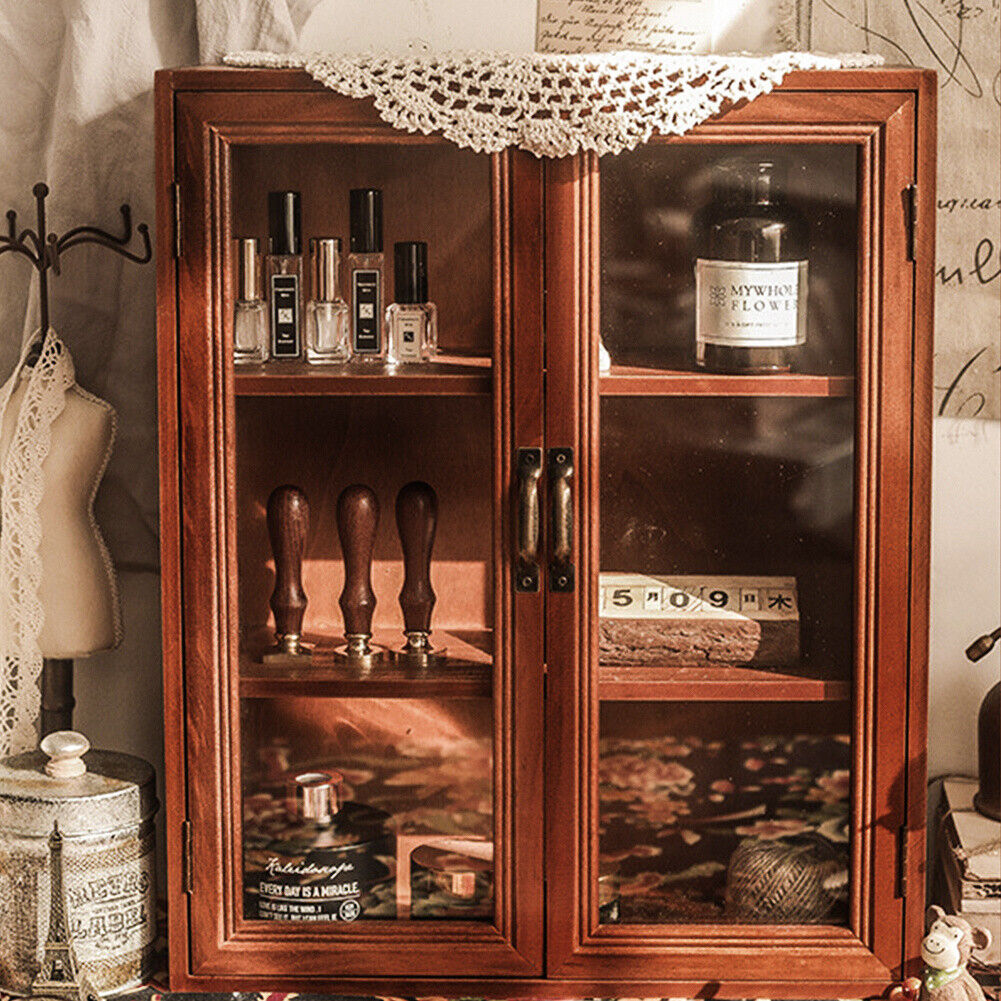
(328, 319)
(411, 321)
(323, 860)
(750, 273)
(250, 315)
(367, 275)
(284, 271)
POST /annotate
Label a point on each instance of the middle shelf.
(466, 671)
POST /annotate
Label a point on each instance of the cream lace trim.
(21, 613)
(550, 104)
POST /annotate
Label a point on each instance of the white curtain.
(77, 112)
(77, 79)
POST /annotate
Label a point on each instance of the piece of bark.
(689, 641)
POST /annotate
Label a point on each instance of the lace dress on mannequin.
(59, 592)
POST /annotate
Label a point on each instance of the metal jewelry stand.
(44, 250)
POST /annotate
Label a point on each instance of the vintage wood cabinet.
(615, 790)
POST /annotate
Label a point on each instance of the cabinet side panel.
(170, 520)
(921, 439)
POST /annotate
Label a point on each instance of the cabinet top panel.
(223, 78)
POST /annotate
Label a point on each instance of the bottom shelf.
(465, 671)
(366, 809)
(724, 813)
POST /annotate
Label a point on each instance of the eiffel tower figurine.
(60, 976)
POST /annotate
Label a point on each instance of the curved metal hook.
(18, 242)
(71, 235)
(91, 235)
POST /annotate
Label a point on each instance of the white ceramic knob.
(65, 749)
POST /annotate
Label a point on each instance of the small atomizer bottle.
(411, 321)
(366, 270)
(250, 315)
(328, 320)
(284, 271)
(321, 860)
(750, 273)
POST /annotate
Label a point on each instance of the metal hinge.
(186, 859)
(175, 192)
(911, 208)
(903, 861)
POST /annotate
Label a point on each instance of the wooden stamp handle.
(357, 521)
(288, 525)
(416, 520)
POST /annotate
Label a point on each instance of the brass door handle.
(561, 571)
(529, 530)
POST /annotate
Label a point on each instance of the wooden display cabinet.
(618, 800)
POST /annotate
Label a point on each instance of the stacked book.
(969, 865)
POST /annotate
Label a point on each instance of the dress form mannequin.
(78, 590)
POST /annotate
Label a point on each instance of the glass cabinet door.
(725, 484)
(725, 535)
(370, 803)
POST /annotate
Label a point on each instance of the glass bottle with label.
(250, 315)
(284, 270)
(328, 321)
(323, 860)
(366, 270)
(411, 321)
(750, 273)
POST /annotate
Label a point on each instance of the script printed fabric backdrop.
(961, 39)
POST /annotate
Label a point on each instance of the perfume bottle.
(750, 273)
(284, 270)
(450, 884)
(328, 321)
(321, 859)
(250, 315)
(411, 321)
(366, 267)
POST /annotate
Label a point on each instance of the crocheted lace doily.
(550, 105)
(21, 613)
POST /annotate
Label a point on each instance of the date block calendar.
(682, 619)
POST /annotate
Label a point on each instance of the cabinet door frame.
(889, 118)
(211, 943)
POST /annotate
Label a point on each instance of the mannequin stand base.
(57, 696)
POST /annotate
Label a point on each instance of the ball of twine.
(785, 882)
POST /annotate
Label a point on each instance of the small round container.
(104, 804)
(450, 884)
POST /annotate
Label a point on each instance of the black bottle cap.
(284, 223)
(366, 221)
(410, 271)
(747, 180)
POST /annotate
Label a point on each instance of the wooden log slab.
(688, 620)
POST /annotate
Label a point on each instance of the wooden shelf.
(717, 683)
(623, 380)
(467, 671)
(448, 375)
